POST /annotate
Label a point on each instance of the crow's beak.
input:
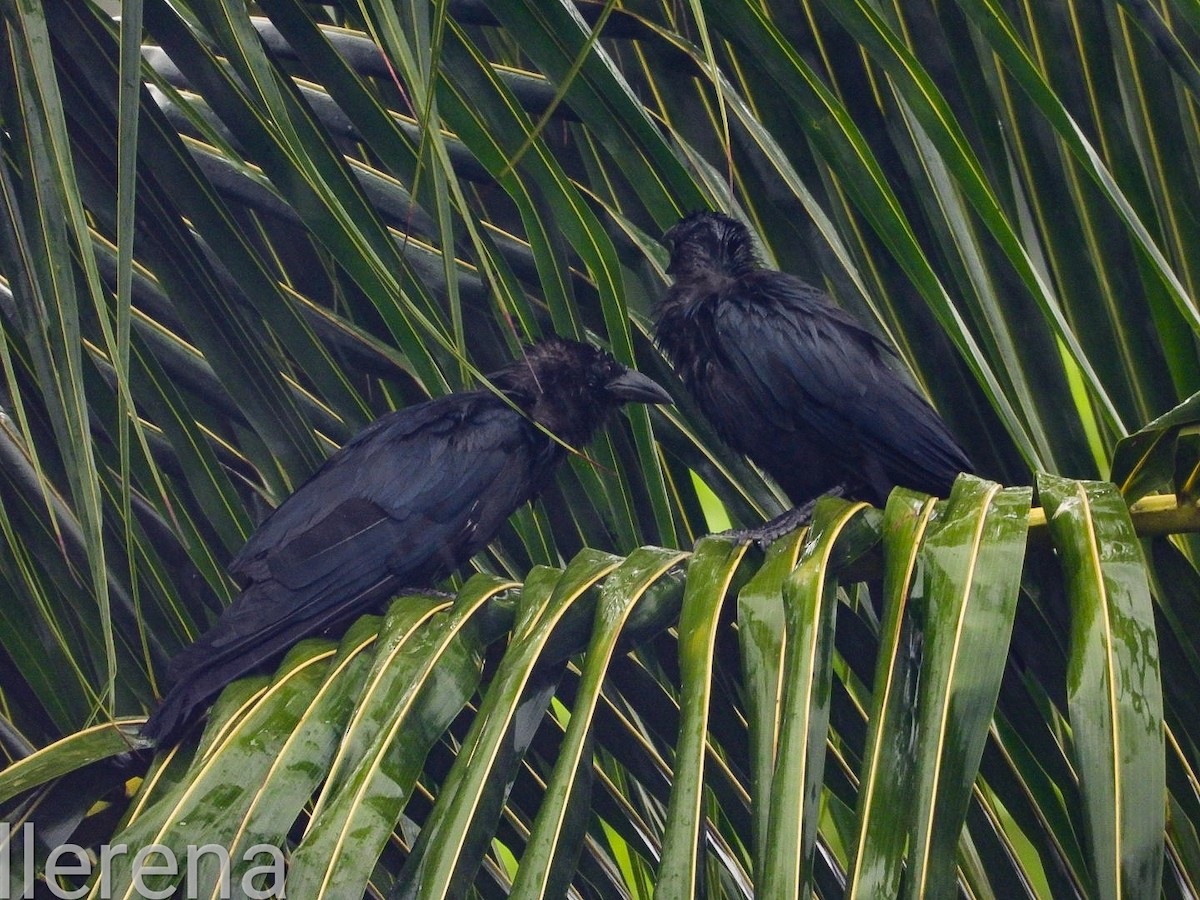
(634, 387)
(668, 241)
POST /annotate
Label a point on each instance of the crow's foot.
(770, 531)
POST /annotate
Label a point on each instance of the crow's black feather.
(400, 506)
(791, 380)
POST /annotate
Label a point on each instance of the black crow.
(791, 380)
(401, 505)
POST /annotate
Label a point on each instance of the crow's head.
(570, 388)
(709, 242)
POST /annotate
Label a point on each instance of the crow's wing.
(401, 505)
(412, 476)
(808, 366)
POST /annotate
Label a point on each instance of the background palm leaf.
(218, 267)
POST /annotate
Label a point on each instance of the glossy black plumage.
(400, 506)
(791, 380)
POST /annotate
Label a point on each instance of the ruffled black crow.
(400, 506)
(791, 380)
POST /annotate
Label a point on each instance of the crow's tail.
(253, 633)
